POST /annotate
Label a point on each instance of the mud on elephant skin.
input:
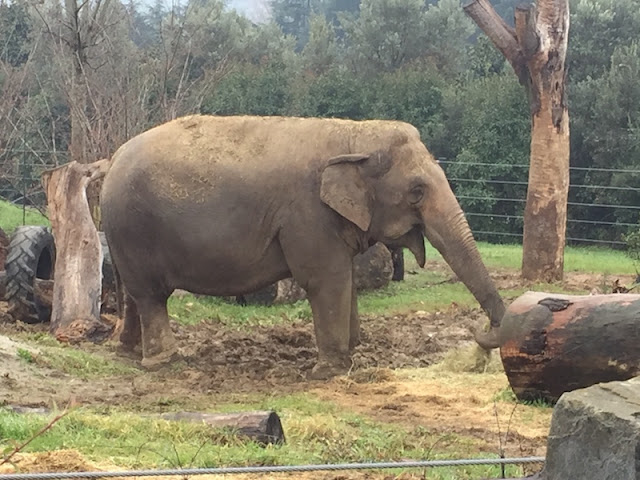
(226, 205)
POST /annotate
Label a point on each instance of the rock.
(374, 268)
(595, 433)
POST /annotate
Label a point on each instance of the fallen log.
(75, 311)
(264, 427)
(553, 343)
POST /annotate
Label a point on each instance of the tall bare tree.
(536, 49)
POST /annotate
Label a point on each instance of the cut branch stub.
(528, 39)
(75, 311)
(501, 35)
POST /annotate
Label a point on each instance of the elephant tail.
(120, 293)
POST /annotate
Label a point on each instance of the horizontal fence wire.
(575, 204)
(523, 165)
(524, 184)
(276, 469)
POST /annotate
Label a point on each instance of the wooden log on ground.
(75, 313)
(264, 427)
(553, 343)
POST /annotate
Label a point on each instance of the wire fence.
(276, 469)
(501, 189)
(493, 202)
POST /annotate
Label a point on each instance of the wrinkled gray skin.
(227, 205)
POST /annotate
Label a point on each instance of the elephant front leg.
(331, 304)
(354, 321)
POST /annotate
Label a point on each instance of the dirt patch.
(55, 461)
(284, 354)
(448, 403)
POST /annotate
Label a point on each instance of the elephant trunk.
(450, 234)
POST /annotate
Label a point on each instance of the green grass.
(576, 259)
(11, 216)
(316, 432)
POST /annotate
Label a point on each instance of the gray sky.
(256, 10)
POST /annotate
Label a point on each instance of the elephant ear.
(344, 190)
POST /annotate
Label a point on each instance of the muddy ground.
(387, 382)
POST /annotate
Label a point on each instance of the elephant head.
(398, 195)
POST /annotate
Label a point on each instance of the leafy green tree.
(294, 16)
(386, 35)
(412, 95)
(487, 121)
(447, 30)
(606, 135)
(597, 28)
(15, 31)
(337, 93)
(484, 59)
(252, 90)
(320, 53)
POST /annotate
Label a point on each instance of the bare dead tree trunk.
(75, 312)
(536, 49)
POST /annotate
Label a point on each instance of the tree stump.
(75, 313)
(264, 427)
(553, 343)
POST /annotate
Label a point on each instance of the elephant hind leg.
(158, 343)
(131, 334)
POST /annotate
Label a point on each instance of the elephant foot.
(159, 360)
(326, 370)
(130, 351)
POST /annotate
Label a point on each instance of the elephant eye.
(416, 194)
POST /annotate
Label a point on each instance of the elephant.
(226, 205)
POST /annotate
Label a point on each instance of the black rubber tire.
(32, 255)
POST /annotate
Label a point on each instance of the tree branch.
(526, 32)
(500, 34)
